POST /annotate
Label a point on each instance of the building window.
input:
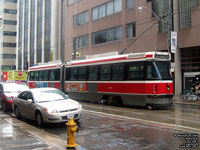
(80, 42)
(7, 67)
(185, 7)
(81, 18)
(130, 30)
(7, 33)
(9, 56)
(9, 44)
(106, 9)
(70, 2)
(161, 8)
(130, 4)
(108, 35)
(9, 22)
(10, 11)
(11, 1)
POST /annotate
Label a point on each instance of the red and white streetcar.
(141, 79)
(136, 79)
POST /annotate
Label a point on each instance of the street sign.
(172, 67)
(173, 42)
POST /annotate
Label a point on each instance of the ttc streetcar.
(136, 79)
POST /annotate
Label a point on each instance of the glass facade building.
(39, 25)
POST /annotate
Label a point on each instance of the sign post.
(173, 42)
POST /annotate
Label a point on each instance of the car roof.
(42, 89)
(14, 86)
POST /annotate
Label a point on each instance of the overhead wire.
(137, 22)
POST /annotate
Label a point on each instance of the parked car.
(8, 91)
(46, 105)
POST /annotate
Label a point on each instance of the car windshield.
(14, 88)
(49, 95)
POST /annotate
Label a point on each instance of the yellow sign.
(17, 75)
(10, 75)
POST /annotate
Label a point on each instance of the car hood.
(61, 105)
(15, 94)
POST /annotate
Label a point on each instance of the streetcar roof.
(122, 58)
(49, 65)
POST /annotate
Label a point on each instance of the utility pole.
(169, 26)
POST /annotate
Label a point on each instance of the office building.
(8, 22)
(39, 38)
(100, 26)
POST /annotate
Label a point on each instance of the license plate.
(70, 116)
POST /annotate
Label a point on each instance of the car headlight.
(79, 107)
(49, 110)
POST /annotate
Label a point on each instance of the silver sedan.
(46, 105)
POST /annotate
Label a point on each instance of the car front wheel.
(17, 113)
(39, 119)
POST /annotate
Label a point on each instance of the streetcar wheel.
(149, 107)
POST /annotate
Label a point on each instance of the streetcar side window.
(36, 76)
(74, 74)
(41, 75)
(57, 74)
(31, 75)
(117, 71)
(93, 73)
(106, 72)
(151, 72)
(54, 75)
(67, 74)
(46, 75)
(82, 73)
(136, 71)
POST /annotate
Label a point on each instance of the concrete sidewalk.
(15, 138)
(178, 100)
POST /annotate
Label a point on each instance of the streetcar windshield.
(163, 69)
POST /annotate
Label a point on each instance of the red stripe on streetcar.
(149, 56)
(136, 88)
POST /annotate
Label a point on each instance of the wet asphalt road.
(110, 128)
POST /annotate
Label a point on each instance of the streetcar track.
(150, 114)
(161, 124)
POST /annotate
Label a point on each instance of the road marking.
(154, 115)
(177, 127)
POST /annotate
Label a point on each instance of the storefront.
(190, 65)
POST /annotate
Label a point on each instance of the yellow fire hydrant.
(71, 129)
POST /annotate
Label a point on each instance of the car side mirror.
(30, 100)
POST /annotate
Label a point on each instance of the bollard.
(71, 129)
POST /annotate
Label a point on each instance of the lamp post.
(169, 22)
(141, 7)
